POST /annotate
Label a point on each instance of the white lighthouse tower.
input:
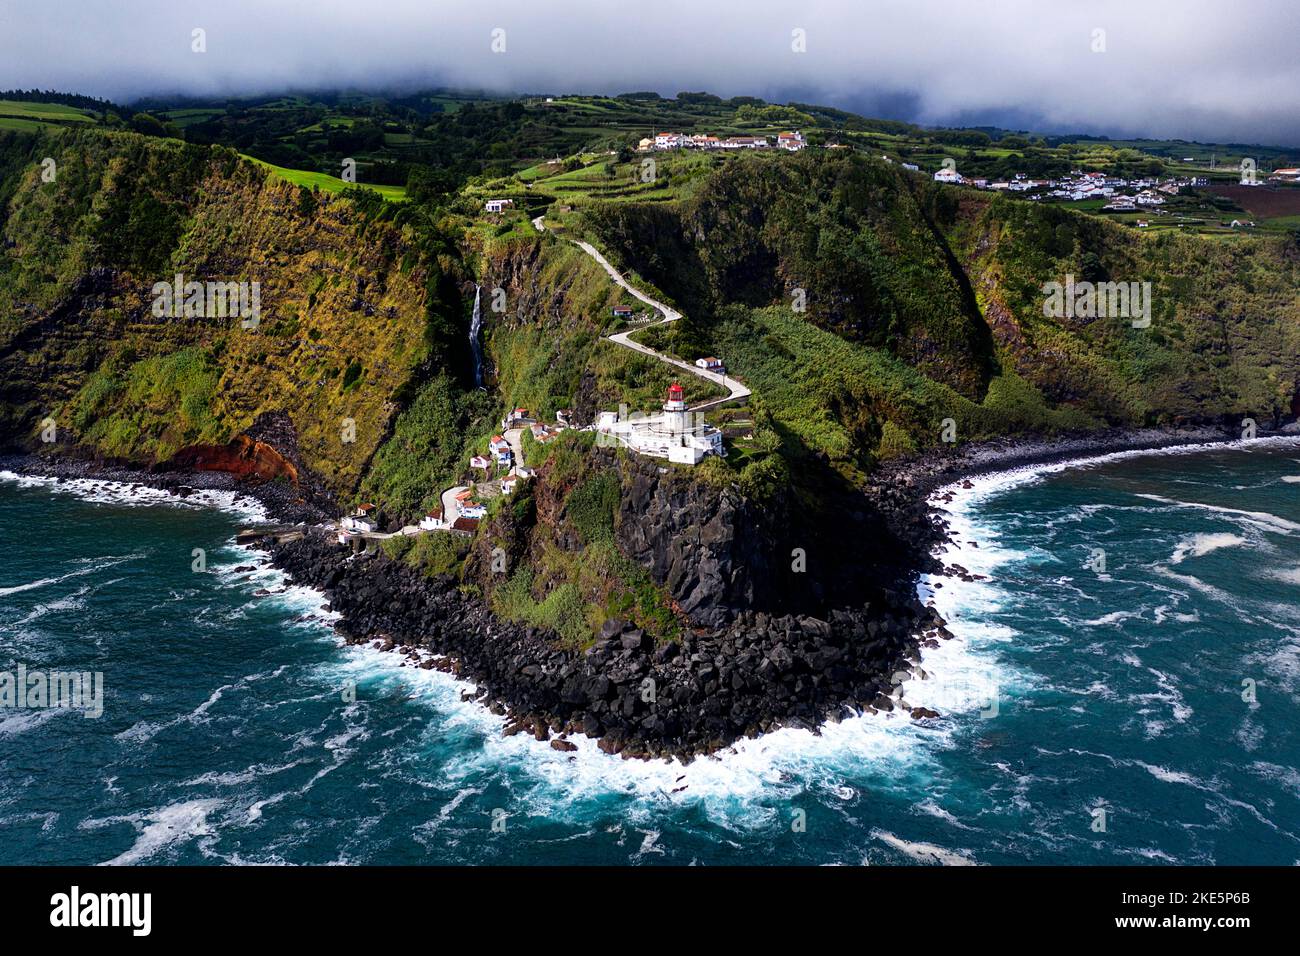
(675, 411)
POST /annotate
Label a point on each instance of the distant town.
(1125, 195)
(792, 141)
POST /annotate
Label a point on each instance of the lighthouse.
(675, 410)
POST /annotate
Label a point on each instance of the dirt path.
(734, 388)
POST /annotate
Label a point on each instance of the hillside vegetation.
(868, 307)
(346, 307)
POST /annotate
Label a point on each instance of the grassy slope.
(326, 182)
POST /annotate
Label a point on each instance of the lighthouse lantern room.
(675, 410)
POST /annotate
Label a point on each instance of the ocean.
(1123, 688)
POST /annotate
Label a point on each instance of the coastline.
(386, 606)
(917, 486)
(275, 501)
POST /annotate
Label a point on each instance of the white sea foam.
(925, 852)
(1261, 519)
(98, 564)
(1289, 575)
(735, 788)
(1198, 545)
(144, 731)
(1204, 587)
(18, 722)
(98, 491)
(160, 828)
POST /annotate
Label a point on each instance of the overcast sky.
(1203, 69)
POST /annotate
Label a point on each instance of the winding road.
(734, 388)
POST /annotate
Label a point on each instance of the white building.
(791, 141)
(361, 521)
(710, 363)
(433, 521)
(947, 175)
(678, 434)
(497, 205)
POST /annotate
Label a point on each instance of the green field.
(25, 125)
(29, 117)
(331, 184)
(187, 117)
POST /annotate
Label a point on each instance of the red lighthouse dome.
(676, 402)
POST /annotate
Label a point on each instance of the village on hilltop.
(789, 141)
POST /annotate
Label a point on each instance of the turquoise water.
(236, 731)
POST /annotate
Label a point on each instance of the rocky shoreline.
(282, 502)
(691, 696)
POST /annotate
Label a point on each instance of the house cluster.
(465, 524)
(678, 434)
(1122, 194)
(469, 506)
(792, 141)
(364, 520)
(502, 474)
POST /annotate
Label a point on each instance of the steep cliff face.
(700, 542)
(719, 553)
(602, 534)
(1224, 317)
(342, 306)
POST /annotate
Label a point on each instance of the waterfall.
(475, 323)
